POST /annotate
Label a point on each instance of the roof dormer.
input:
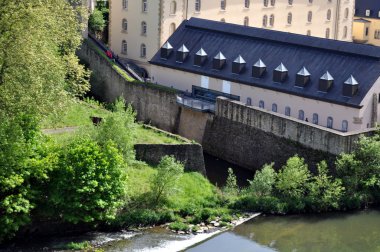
(219, 61)
(182, 54)
(350, 87)
(326, 82)
(200, 57)
(258, 69)
(238, 65)
(166, 50)
(280, 73)
(302, 77)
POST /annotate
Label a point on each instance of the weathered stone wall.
(191, 155)
(154, 105)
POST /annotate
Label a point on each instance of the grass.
(147, 135)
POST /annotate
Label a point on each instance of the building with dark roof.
(366, 25)
(331, 83)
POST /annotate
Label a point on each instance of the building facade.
(366, 25)
(330, 83)
(139, 27)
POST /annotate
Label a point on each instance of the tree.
(96, 21)
(263, 182)
(231, 188)
(164, 182)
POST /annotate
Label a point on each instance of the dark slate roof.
(340, 59)
(362, 5)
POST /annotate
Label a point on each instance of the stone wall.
(191, 155)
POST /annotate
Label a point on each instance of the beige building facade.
(138, 28)
(366, 25)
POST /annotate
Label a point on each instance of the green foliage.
(263, 182)
(143, 217)
(179, 226)
(96, 22)
(164, 182)
(78, 245)
(231, 188)
(91, 178)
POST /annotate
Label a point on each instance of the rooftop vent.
(258, 69)
(182, 53)
(302, 77)
(280, 73)
(326, 82)
(238, 65)
(166, 50)
(200, 57)
(219, 61)
(350, 87)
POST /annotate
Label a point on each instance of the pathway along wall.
(251, 137)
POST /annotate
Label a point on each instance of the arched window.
(345, 32)
(308, 33)
(272, 2)
(346, 13)
(310, 1)
(125, 25)
(344, 126)
(265, 2)
(246, 21)
(223, 4)
(315, 118)
(172, 28)
(290, 17)
(309, 16)
(246, 3)
(125, 4)
(261, 104)
(301, 114)
(144, 6)
(143, 51)
(173, 7)
(143, 28)
(197, 5)
(330, 122)
(265, 21)
(287, 111)
(274, 107)
(271, 20)
(328, 33)
(328, 15)
(124, 47)
(223, 20)
(249, 101)
(290, 2)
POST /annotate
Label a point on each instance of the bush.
(78, 245)
(231, 188)
(179, 226)
(96, 22)
(263, 182)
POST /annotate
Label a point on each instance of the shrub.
(231, 188)
(179, 226)
(78, 245)
(263, 182)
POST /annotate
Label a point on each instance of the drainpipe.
(337, 15)
(187, 9)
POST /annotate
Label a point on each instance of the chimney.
(258, 69)
(280, 73)
(200, 57)
(302, 77)
(350, 87)
(238, 65)
(166, 50)
(182, 53)
(219, 61)
(326, 82)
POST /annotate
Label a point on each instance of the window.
(328, 33)
(265, 21)
(290, 2)
(223, 4)
(301, 114)
(378, 14)
(367, 13)
(308, 33)
(125, 4)
(204, 81)
(366, 31)
(124, 25)
(290, 17)
(246, 21)
(265, 2)
(261, 104)
(172, 28)
(144, 7)
(328, 15)
(309, 16)
(124, 47)
(310, 1)
(377, 34)
(272, 2)
(287, 111)
(271, 20)
(143, 28)
(246, 3)
(346, 12)
(197, 5)
(315, 118)
(344, 126)
(226, 87)
(330, 122)
(249, 102)
(142, 51)
(345, 32)
(173, 7)
(274, 107)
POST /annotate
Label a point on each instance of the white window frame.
(205, 81)
(226, 88)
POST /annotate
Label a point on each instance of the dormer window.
(302, 77)
(182, 54)
(238, 65)
(326, 82)
(367, 13)
(280, 73)
(200, 57)
(350, 87)
(219, 61)
(258, 69)
(166, 50)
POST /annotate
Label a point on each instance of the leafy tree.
(96, 21)
(88, 184)
(231, 188)
(263, 182)
(169, 171)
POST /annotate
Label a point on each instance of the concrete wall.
(191, 155)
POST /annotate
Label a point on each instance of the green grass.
(147, 135)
